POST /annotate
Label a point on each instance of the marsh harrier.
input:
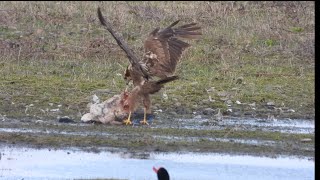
(162, 51)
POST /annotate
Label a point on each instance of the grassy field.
(56, 55)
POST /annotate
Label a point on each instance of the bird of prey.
(140, 95)
(162, 51)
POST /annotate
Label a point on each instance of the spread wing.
(163, 49)
(131, 56)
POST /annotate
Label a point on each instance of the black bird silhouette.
(162, 173)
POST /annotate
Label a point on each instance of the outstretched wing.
(163, 49)
(131, 56)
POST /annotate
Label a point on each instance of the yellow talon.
(128, 121)
(144, 121)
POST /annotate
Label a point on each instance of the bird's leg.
(144, 121)
(128, 121)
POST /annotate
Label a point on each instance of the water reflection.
(27, 163)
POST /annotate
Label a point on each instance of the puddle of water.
(52, 132)
(167, 138)
(281, 125)
(27, 163)
(236, 140)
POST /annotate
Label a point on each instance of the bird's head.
(162, 173)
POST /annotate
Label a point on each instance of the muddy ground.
(251, 136)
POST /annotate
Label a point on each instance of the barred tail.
(188, 31)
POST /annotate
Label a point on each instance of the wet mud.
(259, 137)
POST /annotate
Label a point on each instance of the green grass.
(57, 52)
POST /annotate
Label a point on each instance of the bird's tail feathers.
(189, 31)
(167, 79)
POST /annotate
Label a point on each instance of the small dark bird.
(162, 173)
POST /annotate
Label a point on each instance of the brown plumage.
(162, 51)
(163, 48)
(141, 95)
